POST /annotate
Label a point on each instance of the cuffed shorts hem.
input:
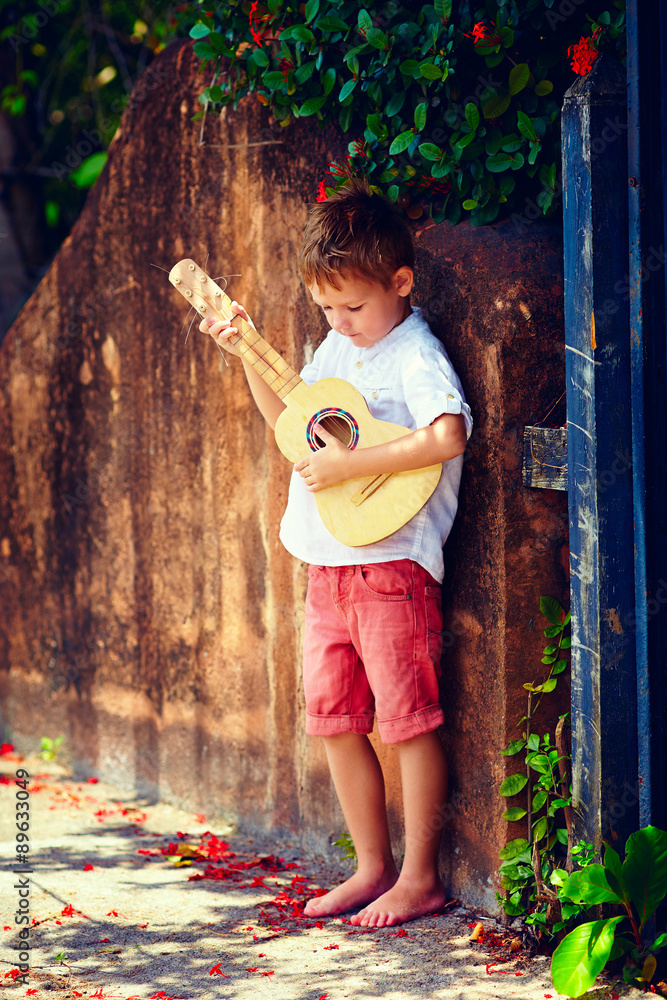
(334, 725)
(391, 731)
(424, 721)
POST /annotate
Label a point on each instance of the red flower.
(217, 971)
(88, 868)
(486, 33)
(322, 192)
(285, 66)
(582, 56)
(6, 748)
(256, 18)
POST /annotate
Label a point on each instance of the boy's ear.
(403, 280)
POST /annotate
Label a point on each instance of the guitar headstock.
(201, 291)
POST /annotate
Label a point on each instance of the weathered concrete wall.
(151, 615)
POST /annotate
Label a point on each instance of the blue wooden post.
(595, 217)
(647, 169)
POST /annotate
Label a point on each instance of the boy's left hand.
(327, 466)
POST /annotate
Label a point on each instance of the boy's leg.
(359, 784)
(418, 890)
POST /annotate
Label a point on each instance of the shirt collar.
(366, 354)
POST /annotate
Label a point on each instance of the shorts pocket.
(393, 581)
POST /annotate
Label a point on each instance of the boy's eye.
(354, 309)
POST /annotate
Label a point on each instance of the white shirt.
(407, 379)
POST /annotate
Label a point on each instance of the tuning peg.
(191, 267)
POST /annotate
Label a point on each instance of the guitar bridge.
(371, 487)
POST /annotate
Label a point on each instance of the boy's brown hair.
(354, 232)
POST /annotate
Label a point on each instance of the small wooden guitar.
(357, 511)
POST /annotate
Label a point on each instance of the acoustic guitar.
(358, 511)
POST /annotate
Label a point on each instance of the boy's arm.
(268, 404)
(445, 438)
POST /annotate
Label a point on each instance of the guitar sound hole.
(338, 423)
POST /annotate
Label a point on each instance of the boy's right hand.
(223, 331)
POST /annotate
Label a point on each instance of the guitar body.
(357, 511)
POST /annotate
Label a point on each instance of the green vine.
(527, 863)
(451, 109)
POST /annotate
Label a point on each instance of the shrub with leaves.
(637, 887)
(544, 788)
(450, 109)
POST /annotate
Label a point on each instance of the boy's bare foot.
(404, 901)
(356, 891)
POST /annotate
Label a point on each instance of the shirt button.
(449, 396)
(359, 364)
(374, 395)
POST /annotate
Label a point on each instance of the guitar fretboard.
(266, 361)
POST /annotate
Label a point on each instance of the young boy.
(373, 617)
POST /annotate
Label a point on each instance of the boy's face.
(363, 310)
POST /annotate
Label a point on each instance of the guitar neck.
(209, 300)
(266, 361)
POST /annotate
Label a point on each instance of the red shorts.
(373, 640)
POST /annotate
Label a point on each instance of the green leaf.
(544, 87)
(566, 643)
(549, 685)
(513, 784)
(331, 24)
(329, 80)
(552, 630)
(472, 116)
(540, 828)
(364, 21)
(377, 37)
(401, 142)
(507, 36)
(527, 130)
(519, 77)
(302, 34)
(375, 125)
(392, 193)
(203, 50)
(273, 80)
(420, 116)
(347, 89)
(304, 72)
(515, 745)
(513, 849)
(395, 104)
(430, 151)
(199, 30)
(496, 164)
(644, 870)
(311, 106)
(410, 67)
(533, 742)
(539, 798)
(582, 955)
(549, 606)
(430, 71)
(496, 106)
(87, 172)
(590, 886)
(312, 8)
(443, 9)
(559, 666)
(515, 812)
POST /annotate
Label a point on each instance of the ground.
(136, 900)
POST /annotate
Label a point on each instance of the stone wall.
(151, 615)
